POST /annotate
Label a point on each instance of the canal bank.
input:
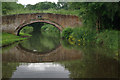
(8, 39)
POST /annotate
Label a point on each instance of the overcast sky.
(25, 2)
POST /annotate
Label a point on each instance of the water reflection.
(17, 54)
(93, 66)
(22, 60)
(41, 70)
(34, 49)
(39, 42)
(35, 70)
(85, 68)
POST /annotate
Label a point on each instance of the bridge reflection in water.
(17, 54)
(40, 48)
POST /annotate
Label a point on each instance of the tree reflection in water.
(41, 42)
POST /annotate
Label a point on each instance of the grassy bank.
(61, 11)
(9, 38)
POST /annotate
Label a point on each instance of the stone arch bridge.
(13, 23)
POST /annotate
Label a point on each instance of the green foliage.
(44, 5)
(74, 5)
(62, 5)
(41, 42)
(66, 33)
(108, 39)
(25, 35)
(78, 36)
(83, 36)
(27, 29)
(99, 15)
(30, 7)
(61, 11)
(49, 28)
(47, 5)
(10, 6)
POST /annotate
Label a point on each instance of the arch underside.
(35, 21)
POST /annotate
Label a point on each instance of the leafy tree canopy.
(9, 6)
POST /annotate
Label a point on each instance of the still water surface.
(45, 56)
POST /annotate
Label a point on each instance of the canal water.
(47, 56)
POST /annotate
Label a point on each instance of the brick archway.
(35, 21)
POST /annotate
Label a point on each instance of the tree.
(62, 5)
(30, 7)
(99, 15)
(45, 5)
(9, 6)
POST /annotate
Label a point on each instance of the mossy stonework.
(12, 23)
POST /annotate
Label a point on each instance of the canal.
(46, 55)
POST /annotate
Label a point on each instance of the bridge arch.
(13, 23)
(17, 31)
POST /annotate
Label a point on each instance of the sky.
(25, 2)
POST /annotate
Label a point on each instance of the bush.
(66, 33)
(79, 35)
(108, 38)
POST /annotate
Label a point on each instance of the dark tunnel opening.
(36, 27)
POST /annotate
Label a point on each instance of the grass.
(9, 38)
(61, 11)
(109, 38)
(25, 34)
